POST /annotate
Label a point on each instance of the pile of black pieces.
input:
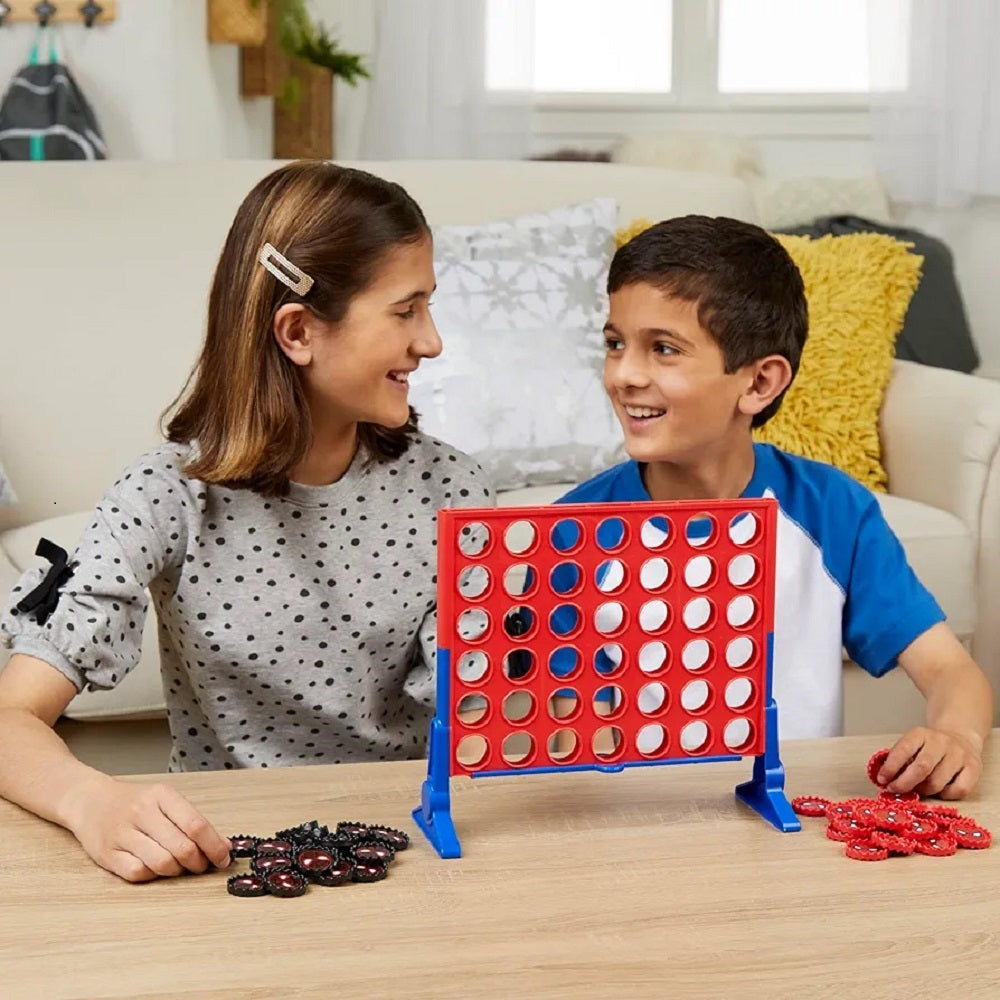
(286, 864)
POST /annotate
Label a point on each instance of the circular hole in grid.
(741, 611)
(473, 582)
(519, 622)
(744, 528)
(695, 696)
(694, 737)
(520, 537)
(654, 574)
(472, 666)
(696, 655)
(565, 579)
(739, 693)
(566, 535)
(653, 616)
(698, 614)
(564, 661)
(609, 701)
(472, 750)
(700, 530)
(652, 699)
(563, 746)
(651, 740)
(473, 539)
(519, 707)
(740, 652)
(610, 576)
(518, 749)
(611, 534)
(564, 705)
(565, 620)
(699, 572)
(609, 618)
(608, 659)
(472, 709)
(743, 570)
(519, 664)
(653, 657)
(473, 624)
(738, 734)
(520, 579)
(608, 743)
(655, 532)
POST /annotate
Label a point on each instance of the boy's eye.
(664, 348)
(409, 314)
(612, 344)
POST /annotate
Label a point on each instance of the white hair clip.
(296, 279)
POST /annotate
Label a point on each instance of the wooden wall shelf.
(67, 12)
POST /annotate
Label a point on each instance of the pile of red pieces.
(894, 823)
(309, 854)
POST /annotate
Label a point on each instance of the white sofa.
(105, 276)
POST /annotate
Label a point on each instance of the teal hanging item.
(44, 115)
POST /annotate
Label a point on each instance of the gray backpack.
(44, 115)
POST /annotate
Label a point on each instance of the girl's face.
(359, 367)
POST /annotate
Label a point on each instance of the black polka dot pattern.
(296, 630)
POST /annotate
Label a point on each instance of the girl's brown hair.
(243, 403)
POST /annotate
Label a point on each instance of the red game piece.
(286, 884)
(246, 885)
(940, 846)
(810, 805)
(895, 819)
(922, 828)
(893, 842)
(865, 850)
(898, 797)
(850, 825)
(875, 764)
(844, 836)
(971, 836)
(835, 809)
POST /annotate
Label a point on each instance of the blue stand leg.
(433, 815)
(765, 792)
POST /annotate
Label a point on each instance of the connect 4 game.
(604, 636)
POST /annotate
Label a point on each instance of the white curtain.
(938, 143)
(428, 97)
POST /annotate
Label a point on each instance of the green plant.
(311, 41)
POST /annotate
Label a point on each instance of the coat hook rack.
(68, 12)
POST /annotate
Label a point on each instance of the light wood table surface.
(655, 882)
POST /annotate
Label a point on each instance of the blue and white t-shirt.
(842, 582)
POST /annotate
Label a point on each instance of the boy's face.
(665, 376)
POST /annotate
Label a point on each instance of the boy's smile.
(665, 376)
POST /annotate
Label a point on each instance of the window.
(699, 52)
(579, 46)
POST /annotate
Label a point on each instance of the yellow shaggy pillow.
(858, 288)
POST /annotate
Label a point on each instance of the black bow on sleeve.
(44, 598)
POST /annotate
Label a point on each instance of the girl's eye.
(612, 344)
(409, 314)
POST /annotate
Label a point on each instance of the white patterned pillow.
(7, 495)
(579, 230)
(518, 384)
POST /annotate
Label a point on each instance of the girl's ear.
(770, 376)
(295, 331)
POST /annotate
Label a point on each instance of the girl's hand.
(140, 832)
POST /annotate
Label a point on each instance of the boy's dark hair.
(749, 292)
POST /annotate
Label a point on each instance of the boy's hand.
(139, 832)
(933, 762)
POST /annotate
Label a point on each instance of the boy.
(706, 327)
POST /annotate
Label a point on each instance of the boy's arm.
(945, 756)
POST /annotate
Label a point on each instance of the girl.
(285, 532)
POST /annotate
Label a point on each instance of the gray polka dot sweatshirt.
(297, 630)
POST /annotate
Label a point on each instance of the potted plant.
(297, 65)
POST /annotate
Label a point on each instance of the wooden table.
(654, 882)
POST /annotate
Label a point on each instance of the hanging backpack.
(44, 115)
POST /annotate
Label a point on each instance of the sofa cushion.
(140, 693)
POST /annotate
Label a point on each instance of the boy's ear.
(770, 376)
(294, 329)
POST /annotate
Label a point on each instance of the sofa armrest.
(940, 434)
